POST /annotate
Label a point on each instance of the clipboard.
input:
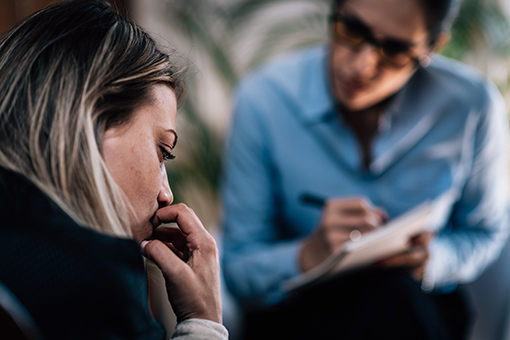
(387, 240)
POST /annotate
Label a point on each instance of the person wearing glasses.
(374, 123)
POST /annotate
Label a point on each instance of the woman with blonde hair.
(87, 120)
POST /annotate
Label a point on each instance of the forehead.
(156, 116)
(162, 107)
(397, 19)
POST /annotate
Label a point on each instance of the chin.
(142, 231)
(355, 104)
(358, 102)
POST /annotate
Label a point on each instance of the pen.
(318, 202)
(312, 200)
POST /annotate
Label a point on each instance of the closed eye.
(166, 154)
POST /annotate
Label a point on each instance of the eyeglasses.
(353, 33)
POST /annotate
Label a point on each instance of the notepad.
(387, 240)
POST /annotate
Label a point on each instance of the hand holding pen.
(364, 217)
(342, 219)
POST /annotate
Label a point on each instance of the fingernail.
(143, 244)
(383, 216)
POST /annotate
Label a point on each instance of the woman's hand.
(188, 258)
(341, 220)
(415, 258)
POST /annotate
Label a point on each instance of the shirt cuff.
(439, 266)
(199, 329)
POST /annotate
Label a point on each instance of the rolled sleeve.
(480, 219)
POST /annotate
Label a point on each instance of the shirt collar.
(317, 100)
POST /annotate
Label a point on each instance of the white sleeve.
(199, 329)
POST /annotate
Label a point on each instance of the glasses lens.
(348, 34)
(395, 53)
(353, 33)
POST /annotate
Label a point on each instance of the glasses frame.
(422, 60)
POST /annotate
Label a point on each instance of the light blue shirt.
(445, 131)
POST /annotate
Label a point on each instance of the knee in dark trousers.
(382, 304)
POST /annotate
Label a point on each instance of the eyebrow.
(360, 22)
(175, 134)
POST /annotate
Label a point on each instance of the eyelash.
(166, 155)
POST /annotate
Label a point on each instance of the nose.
(165, 196)
(365, 62)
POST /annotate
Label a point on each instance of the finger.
(412, 258)
(173, 235)
(335, 240)
(169, 263)
(182, 255)
(187, 221)
(200, 250)
(422, 240)
(349, 206)
(382, 214)
(340, 216)
(358, 206)
(419, 273)
(348, 223)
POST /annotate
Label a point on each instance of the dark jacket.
(76, 283)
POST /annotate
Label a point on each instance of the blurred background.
(219, 41)
(222, 40)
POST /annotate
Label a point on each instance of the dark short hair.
(439, 15)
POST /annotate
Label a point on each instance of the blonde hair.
(68, 73)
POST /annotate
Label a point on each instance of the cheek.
(392, 80)
(142, 193)
(147, 178)
(139, 177)
(338, 59)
